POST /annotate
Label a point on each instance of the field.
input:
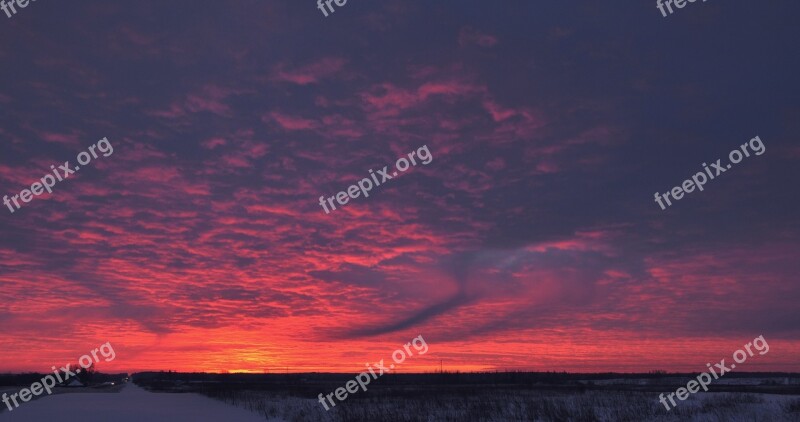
(499, 397)
(510, 405)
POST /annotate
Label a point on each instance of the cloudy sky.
(530, 241)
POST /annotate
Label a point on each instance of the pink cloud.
(213, 143)
(469, 36)
(447, 88)
(498, 112)
(233, 160)
(311, 73)
(197, 104)
(390, 100)
(496, 164)
(59, 138)
(340, 126)
(546, 167)
(210, 98)
(389, 96)
(290, 122)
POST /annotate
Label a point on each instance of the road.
(132, 404)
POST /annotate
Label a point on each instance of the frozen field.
(403, 404)
(132, 404)
(523, 406)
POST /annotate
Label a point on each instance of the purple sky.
(530, 241)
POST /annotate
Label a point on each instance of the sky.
(531, 239)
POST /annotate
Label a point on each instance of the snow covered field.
(132, 404)
(524, 406)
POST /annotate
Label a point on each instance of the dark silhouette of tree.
(87, 375)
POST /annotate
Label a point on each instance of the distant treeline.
(310, 384)
(443, 377)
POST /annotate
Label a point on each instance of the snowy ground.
(526, 406)
(132, 404)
